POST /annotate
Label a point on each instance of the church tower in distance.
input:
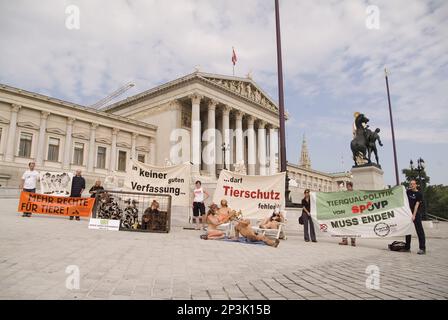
(305, 161)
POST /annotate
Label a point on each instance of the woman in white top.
(199, 196)
(29, 182)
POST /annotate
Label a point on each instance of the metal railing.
(436, 218)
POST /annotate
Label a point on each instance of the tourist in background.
(308, 226)
(78, 186)
(199, 196)
(344, 242)
(96, 188)
(29, 182)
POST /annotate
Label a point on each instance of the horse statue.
(359, 143)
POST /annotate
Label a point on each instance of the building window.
(53, 149)
(101, 158)
(141, 158)
(121, 160)
(26, 140)
(78, 154)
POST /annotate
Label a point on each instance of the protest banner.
(173, 180)
(366, 214)
(55, 205)
(255, 196)
(55, 183)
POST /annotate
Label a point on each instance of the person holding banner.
(200, 195)
(306, 216)
(78, 186)
(415, 198)
(344, 241)
(29, 181)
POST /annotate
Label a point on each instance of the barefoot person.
(29, 181)
(243, 228)
(273, 222)
(213, 222)
(344, 242)
(200, 195)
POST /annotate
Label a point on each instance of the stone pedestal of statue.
(368, 177)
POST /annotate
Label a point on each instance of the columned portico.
(9, 156)
(273, 147)
(251, 156)
(133, 146)
(41, 144)
(68, 143)
(112, 166)
(239, 146)
(195, 132)
(226, 136)
(211, 137)
(91, 159)
(262, 147)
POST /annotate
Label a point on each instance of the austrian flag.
(234, 58)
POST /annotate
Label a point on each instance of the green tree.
(437, 200)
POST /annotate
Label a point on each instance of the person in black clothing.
(78, 186)
(306, 216)
(96, 187)
(415, 198)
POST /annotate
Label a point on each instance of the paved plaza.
(35, 253)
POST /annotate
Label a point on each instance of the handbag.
(301, 220)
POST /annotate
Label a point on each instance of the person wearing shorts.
(199, 196)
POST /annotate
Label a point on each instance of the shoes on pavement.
(314, 241)
(343, 243)
(421, 251)
(71, 217)
(78, 219)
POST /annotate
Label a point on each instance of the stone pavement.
(35, 252)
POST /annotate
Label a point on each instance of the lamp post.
(397, 179)
(281, 104)
(224, 148)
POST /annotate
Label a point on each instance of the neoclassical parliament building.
(150, 126)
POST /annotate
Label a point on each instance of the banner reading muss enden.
(255, 196)
(366, 214)
(173, 180)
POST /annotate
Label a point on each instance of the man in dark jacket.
(78, 186)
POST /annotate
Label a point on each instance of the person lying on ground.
(273, 222)
(243, 228)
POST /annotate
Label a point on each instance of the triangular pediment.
(56, 131)
(28, 125)
(4, 120)
(244, 87)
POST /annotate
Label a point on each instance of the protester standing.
(199, 196)
(415, 198)
(29, 182)
(96, 188)
(344, 242)
(78, 186)
(308, 225)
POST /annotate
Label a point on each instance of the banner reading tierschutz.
(255, 196)
(173, 180)
(366, 214)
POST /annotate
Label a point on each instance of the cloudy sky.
(333, 56)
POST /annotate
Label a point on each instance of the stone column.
(273, 147)
(91, 160)
(68, 143)
(211, 137)
(152, 151)
(262, 147)
(133, 146)
(113, 150)
(239, 152)
(11, 143)
(226, 135)
(251, 157)
(41, 144)
(195, 153)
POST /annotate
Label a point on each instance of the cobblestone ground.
(35, 252)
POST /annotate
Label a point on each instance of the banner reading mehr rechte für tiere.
(366, 214)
